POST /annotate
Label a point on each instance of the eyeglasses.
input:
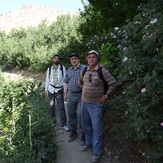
(90, 78)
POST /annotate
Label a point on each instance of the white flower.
(116, 28)
(111, 34)
(118, 46)
(153, 21)
(126, 112)
(151, 35)
(147, 26)
(125, 59)
(143, 90)
(136, 22)
(114, 36)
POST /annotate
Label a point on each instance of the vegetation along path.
(68, 152)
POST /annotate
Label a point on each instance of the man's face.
(92, 59)
(74, 61)
(56, 60)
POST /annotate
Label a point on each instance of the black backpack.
(61, 68)
(99, 71)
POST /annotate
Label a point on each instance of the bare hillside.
(29, 15)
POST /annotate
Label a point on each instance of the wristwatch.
(106, 96)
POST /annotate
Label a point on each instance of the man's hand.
(102, 100)
(46, 94)
(65, 96)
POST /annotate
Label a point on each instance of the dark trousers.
(60, 103)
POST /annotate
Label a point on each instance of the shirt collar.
(79, 65)
(55, 67)
(96, 68)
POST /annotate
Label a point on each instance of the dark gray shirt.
(72, 76)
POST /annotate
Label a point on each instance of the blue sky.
(67, 5)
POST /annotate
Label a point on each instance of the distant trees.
(33, 47)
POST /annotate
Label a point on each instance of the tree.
(117, 12)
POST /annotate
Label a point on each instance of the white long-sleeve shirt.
(49, 80)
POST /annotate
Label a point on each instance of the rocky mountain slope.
(29, 15)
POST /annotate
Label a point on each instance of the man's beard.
(56, 63)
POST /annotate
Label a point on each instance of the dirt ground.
(69, 152)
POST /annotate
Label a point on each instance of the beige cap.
(94, 52)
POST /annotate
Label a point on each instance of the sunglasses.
(90, 78)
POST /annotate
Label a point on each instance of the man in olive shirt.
(93, 98)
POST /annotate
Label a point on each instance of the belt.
(77, 92)
(56, 87)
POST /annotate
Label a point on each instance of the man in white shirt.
(54, 89)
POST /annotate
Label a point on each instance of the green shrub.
(25, 130)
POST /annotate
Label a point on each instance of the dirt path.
(69, 152)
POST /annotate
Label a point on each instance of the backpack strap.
(84, 71)
(99, 71)
(49, 72)
(61, 68)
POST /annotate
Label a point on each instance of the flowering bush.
(141, 52)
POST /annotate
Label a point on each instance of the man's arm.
(111, 81)
(80, 80)
(65, 91)
(112, 85)
(47, 80)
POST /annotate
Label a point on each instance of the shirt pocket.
(96, 80)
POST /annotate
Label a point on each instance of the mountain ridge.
(29, 15)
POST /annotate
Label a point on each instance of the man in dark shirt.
(73, 93)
